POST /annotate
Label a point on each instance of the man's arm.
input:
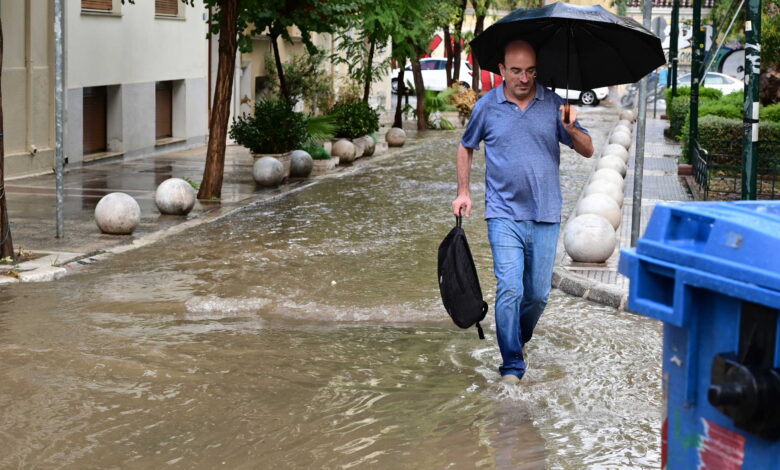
(582, 141)
(463, 166)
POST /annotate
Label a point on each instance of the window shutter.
(166, 7)
(164, 110)
(103, 5)
(94, 120)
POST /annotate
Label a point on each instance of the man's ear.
(502, 69)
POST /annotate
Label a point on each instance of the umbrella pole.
(566, 105)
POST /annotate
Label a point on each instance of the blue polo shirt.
(521, 147)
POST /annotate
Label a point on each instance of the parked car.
(588, 97)
(434, 72)
(715, 80)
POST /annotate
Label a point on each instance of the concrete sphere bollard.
(624, 122)
(600, 204)
(589, 238)
(608, 188)
(360, 146)
(395, 137)
(345, 150)
(301, 164)
(175, 196)
(610, 175)
(628, 115)
(621, 138)
(612, 162)
(268, 172)
(621, 128)
(369, 145)
(617, 150)
(117, 214)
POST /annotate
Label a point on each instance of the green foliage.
(321, 128)
(771, 113)
(717, 108)
(770, 27)
(306, 80)
(437, 103)
(736, 98)
(316, 151)
(354, 119)
(677, 110)
(274, 128)
(704, 93)
(721, 135)
(195, 185)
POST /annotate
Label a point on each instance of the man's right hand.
(465, 203)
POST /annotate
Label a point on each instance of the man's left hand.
(569, 126)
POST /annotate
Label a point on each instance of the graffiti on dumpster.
(720, 448)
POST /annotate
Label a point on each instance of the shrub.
(737, 99)
(306, 80)
(354, 119)
(721, 135)
(677, 109)
(719, 108)
(274, 128)
(704, 93)
(771, 113)
(464, 99)
(316, 151)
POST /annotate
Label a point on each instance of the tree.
(481, 8)
(6, 242)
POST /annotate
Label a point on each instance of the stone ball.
(369, 145)
(623, 128)
(606, 187)
(345, 150)
(610, 175)
(395, 137)
(612, 162)
(603, 205)
(589, 238)
(621, 138)
(268, 172)
(301, 164)
(175, 196)
(117, 214)
(624, 122)
(360, 147)
(617, 150)
(628, 115)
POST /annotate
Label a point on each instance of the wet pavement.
(307, 332)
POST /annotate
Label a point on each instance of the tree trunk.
(478, 28)
(419, 87)
(457, 47)
(399, 114)
(280, 69)
(211, 186)
(6, 243)
(448, 53)
(369, 71)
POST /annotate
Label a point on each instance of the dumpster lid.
(738, 240)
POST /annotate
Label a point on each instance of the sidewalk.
(31, 205)
(602, 283)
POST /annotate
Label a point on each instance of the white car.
(715, 80)
(588, 97)
(434, 72)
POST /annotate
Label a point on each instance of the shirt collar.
(501, 96)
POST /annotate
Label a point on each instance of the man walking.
(522, 125)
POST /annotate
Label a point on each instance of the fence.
(717, 166)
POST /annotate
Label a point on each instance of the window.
(164, 110)
(428, 65)
(713, 79)
(98, 5)
(95, 111)
(166, 7)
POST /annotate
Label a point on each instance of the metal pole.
(752, 74)
(675, 33)
(725, 35)
(59, 95)
(697, 49)
(639, 153)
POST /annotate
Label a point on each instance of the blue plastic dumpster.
(711, 273)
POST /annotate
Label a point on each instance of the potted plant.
(274, 130)
(354, 120)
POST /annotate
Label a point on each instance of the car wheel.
(588, 98)
(394, 85)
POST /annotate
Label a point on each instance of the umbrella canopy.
(602, 48)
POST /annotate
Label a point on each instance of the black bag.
(458, 281)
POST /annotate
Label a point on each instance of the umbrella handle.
(566, 108)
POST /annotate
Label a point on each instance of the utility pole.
(6, 243)
(697, 56)
(750, 111)
(59, 94)
(675, 33)
(639, 149)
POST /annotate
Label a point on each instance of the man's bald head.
(518, 47)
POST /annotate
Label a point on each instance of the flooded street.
(308, 332)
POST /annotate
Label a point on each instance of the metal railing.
(717, 169)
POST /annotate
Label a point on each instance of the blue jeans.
(523, 259)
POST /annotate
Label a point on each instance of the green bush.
(719, 108)
(720, 135)
(737, 99)
(316, 151)
(771, 113)
(704, 93)
(677, 110)
(274, 128)
(354, 119)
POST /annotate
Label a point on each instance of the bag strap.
(479, 327)
(459, 217)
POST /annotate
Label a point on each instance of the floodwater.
(308, 333)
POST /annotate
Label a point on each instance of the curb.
(54, 266)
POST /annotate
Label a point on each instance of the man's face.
(519, 72)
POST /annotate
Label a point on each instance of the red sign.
(720, 448)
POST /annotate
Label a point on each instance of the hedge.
(722, 135)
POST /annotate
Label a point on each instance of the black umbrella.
(578, 47)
